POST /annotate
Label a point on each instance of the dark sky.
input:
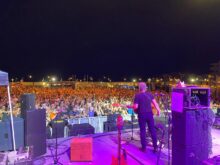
(108, 37)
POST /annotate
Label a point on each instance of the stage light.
(192, 80)
(134, 80)
(53, 79)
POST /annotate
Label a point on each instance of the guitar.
(124, 106)
(154, 110)
(121, 159)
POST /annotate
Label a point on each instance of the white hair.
(142, 86)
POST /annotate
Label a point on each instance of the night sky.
(116, 38)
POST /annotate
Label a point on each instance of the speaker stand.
(56, 159)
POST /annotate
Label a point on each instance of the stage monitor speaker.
(6, 142)
(35, 131)
(81, 129)
(27, 103)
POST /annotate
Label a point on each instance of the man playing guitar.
(142, 106)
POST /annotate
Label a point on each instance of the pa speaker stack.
(27, 103)
(34, 125)
(190, 125)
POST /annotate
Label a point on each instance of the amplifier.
(190, 97)
(58, 127)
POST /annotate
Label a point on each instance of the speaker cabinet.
(35, 131)
(27, 103)
(190, 136)
(81, 129)
(58, 128)
(190, 127)
(6, 142)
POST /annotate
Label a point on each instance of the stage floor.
(105, 146)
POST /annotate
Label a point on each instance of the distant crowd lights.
(53, 79)
(192, 80)
(188, 79)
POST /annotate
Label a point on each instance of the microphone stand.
(132, 126)
(169, 136)
(120, 123)
(169, 120)
(55, 157)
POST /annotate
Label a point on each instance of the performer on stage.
(142, 106)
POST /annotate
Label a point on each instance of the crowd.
(72, 103)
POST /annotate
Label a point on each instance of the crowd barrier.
(96, 122)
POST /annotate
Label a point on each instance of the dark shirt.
(144, 103)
